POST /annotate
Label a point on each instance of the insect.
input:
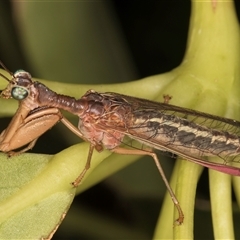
(105, 119)
(37, 112)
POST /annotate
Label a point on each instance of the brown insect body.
(106, 118)
(157, 125)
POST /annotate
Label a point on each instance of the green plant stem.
(207, 81)
(221, 205)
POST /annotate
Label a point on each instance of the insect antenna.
(7, 70)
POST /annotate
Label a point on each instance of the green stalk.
(207, 80)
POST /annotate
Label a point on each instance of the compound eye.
(19, 93)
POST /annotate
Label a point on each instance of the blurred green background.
(97, 42)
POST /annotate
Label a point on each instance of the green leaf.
(37, 186)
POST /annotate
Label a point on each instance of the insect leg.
(87, 166)
(73, 129)
(28, 147)
(119, 150)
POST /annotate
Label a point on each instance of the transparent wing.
(185, 132)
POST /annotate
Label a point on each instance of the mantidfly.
(106, 118)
